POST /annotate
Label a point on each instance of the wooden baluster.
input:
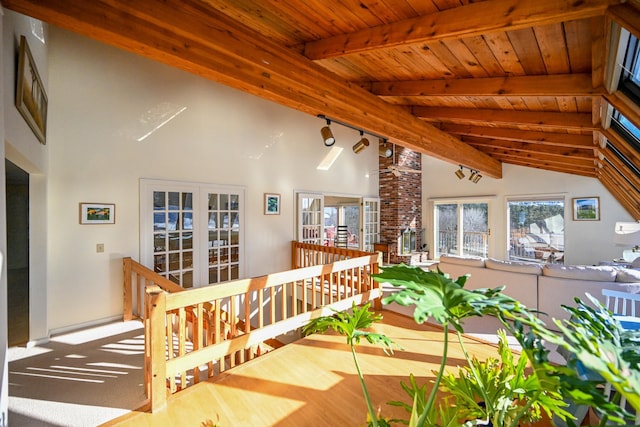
(198, 327)
(140, 295)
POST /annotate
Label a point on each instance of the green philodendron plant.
(353, 325)
(435, 295)
(509, 396)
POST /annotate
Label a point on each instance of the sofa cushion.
(580, 272)
(627, 275)
(462, 260)
(513, 266)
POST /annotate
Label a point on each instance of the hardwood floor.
(312, 382)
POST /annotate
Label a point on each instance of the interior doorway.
(342, 215)
(17, 188)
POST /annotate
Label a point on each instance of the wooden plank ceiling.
(474, 83)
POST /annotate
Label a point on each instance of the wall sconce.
(327, 135)
(362, 144)
(459, 173)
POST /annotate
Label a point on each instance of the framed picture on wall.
(31, 99)
(586, 209)
(97, 213)
(271, 204)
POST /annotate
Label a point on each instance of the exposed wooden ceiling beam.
(552, 85)
(622, 145)
(627, 15)
(479, 116)
(516, 147)
(201, 40)
(625, 105)
(535, 137)
(554, 167)
(475, 19)
(621, 190)
(551, 158)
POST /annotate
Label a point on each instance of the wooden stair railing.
(205, 331)
(307, 254)
(228, 327)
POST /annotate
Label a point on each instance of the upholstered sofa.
(545, 288)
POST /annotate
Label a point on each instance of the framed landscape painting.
(97, 213)
(31, 99)
(586, 209)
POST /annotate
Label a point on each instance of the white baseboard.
(85, 325)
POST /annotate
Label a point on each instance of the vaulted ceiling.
(475, 83)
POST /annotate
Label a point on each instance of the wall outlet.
(100, 247)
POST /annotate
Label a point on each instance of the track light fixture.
(473, 177)
(327, 135)
(362, 144)
(329, 140)
(382, 151)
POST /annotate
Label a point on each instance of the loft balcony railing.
(195, 334)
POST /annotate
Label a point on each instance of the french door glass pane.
(173, 251)
(223, 237)
(311, 219)
(371, 223)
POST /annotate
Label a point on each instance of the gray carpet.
(80, 379)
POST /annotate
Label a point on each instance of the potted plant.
(435, 295)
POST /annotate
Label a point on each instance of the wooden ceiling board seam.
(550, 39)
(478, 46)
(504, 52)
(526, 47)
(579, 45)
(466, 58)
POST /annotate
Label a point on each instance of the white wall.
(98, 95)
(586, 242)
(22, 148)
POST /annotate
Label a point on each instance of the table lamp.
(628, 234)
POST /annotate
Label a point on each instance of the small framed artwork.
(586, 209)
(271, 204)
(31, 99)
(97, 213)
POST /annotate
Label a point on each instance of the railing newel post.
(155, 303)
(127, 305)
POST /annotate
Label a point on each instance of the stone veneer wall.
(400, 201)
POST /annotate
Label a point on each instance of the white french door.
(192, 233)
(370, 220)
(311, 218)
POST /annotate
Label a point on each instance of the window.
(536, 229)
(629, 84)
(461, 228)
(191, 233)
